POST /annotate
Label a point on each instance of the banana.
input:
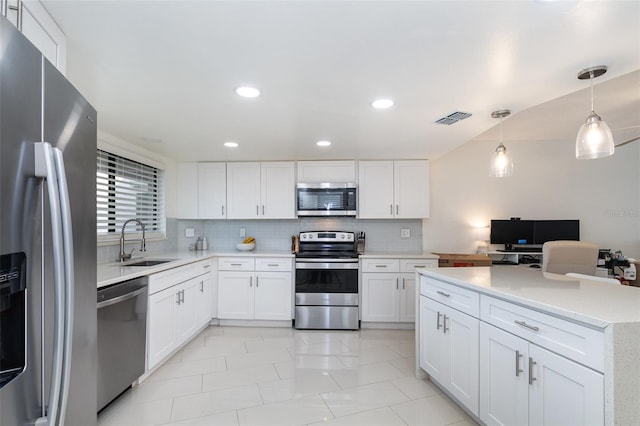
(249, 240)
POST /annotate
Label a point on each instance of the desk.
(514, 257)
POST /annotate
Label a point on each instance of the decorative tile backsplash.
(223, 235)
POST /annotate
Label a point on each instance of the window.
(127, 189)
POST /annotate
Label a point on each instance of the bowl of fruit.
(247, 244)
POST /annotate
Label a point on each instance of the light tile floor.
(281, 376)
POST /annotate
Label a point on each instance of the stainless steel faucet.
(126, 256)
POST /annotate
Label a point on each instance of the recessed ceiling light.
(247, 92)
(382, 103)
(231, 144)
(323, 143)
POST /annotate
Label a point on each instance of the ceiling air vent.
(453, 118)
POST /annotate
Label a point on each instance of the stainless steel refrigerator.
(47, 242)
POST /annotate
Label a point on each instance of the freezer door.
(20, 220)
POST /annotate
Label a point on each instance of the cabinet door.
(203, 300)
(273, 296)
(411, 189)
(186, 314)
(407, 298)
(161, 327)
(277, 190)
(42, 31)
(504, 389)
(212, 190)
(432, 341)
(235, 295)
(380, 297)
(463, 335)
(375, 190)
(563, 392)
(243, 190)
(187, 190)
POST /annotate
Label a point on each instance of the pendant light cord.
(591, 79)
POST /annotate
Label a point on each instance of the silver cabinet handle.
(4, 4)
(381, 266)
(236, 264)
(531, 364)
(403, 283)
(442, 293)
(263, 210)
(525, 325)
(391, 209)
(396, 209)
(257, 278)
(438, 322)
(250, 281)
(201, 286)
(518, 370)
(257, 210)
(206, 266)
(182, 296)
(397, 285)
(272, 264)
(444, 323)
(222, 210)
(419, 266)
(178, 301)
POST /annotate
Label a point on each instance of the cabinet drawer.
(576, 342)
(236, 263)
(459, 298)
(411, 265)
(380, 265)
(171, 277)
(273, 264)
(204, 266)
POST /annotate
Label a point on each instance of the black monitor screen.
(553, 230)
(512, 231)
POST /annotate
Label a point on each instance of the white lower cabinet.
(522, 383)
(389, 289)
(255, 289)
(179, 305)
(449, 350)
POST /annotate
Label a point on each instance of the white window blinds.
(127, 189)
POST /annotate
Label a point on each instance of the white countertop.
(112, 273)
(398, 255)
(590, 302)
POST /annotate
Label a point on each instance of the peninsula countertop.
(397, 255)
(113, 273)
(589, 302)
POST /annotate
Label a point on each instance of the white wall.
(548, 183)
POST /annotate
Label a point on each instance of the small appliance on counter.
(360, 240)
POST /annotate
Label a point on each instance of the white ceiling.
(166, 70)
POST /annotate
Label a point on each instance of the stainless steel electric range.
(327, 281)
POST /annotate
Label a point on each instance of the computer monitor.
(554, 230)
(509, 232)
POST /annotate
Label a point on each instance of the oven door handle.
(326, 265)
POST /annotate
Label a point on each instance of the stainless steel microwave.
(326, 199)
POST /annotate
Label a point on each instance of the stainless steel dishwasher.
(122, 327)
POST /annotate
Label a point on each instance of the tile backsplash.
(223, 235)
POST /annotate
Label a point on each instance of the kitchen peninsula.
(514, 345)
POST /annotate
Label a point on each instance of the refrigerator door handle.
(45, 168)
(67, 246)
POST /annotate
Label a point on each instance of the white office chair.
(561, 257)
(593, 278)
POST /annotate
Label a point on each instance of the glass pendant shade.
(594, 139)
(501, 163)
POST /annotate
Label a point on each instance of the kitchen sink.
(149, 262)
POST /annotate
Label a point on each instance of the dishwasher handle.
(117, 298)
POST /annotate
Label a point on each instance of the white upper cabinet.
(201, 190)
(393, 189)
(261, 190)
(42, 31)
(326, 171)
(212, 190)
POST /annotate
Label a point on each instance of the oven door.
(326, 277)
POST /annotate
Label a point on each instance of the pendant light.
(501, 163)
(594, 138)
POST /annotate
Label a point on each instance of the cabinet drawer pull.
(525, 325)
(442, 293)
(381, 266)
(236, 264)
(438, 322)
(518, 370)
(273, 264)
(531, 364)
(444, 323)
(419, 266)
(206, 266)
